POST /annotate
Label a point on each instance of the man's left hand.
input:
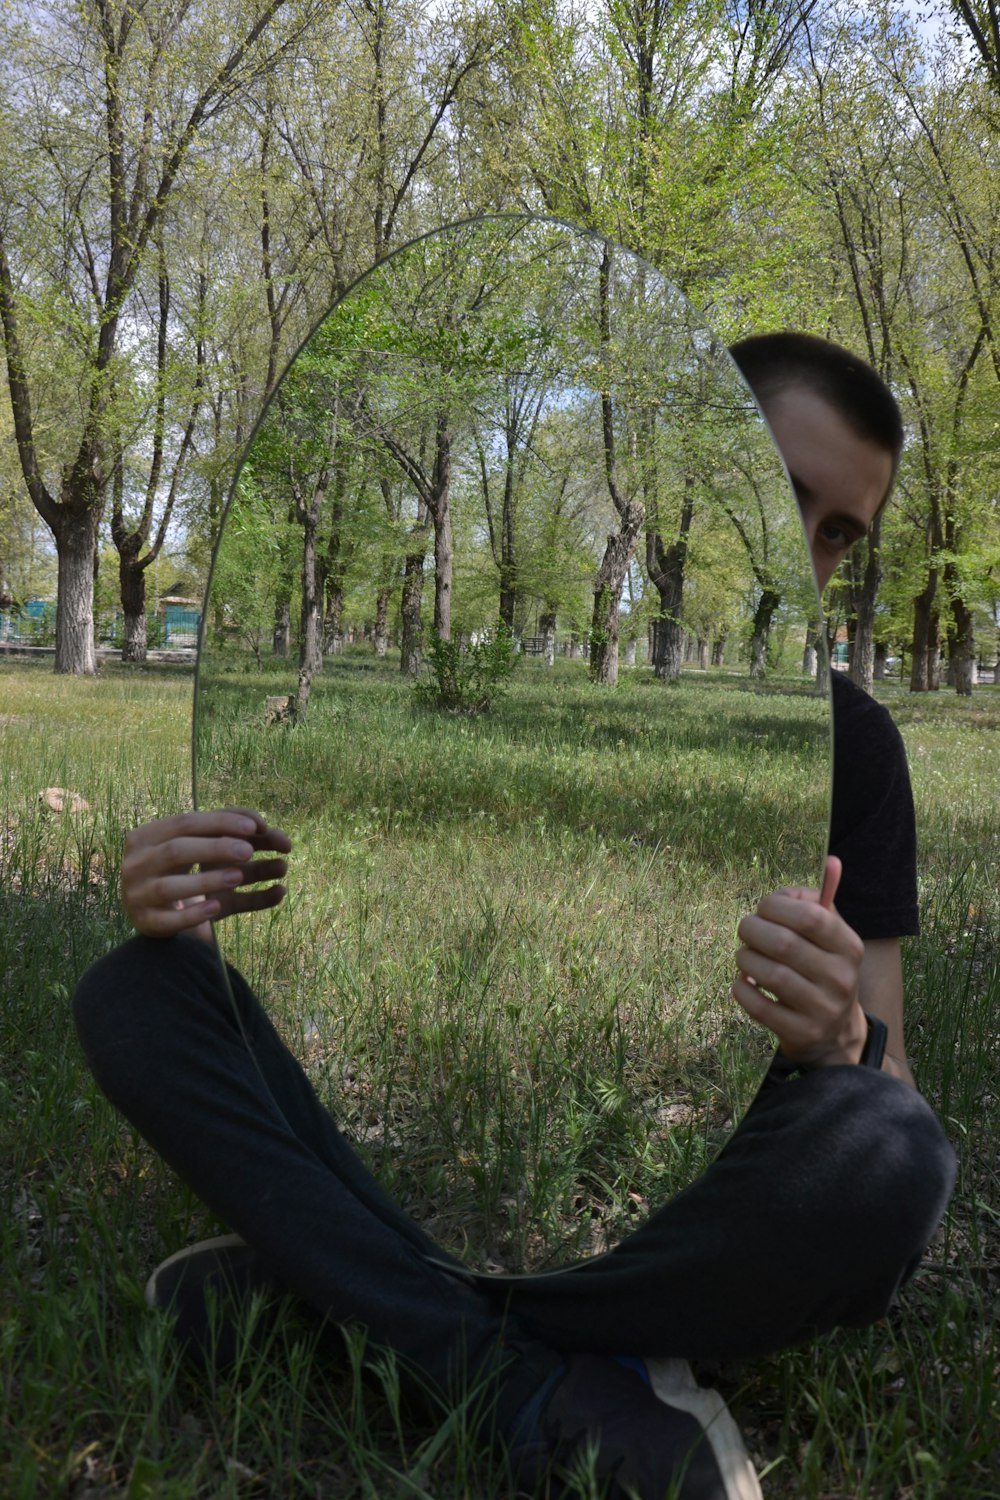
(799, 969)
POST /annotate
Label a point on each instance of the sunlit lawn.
(518, 870)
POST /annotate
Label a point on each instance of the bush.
(468, 679)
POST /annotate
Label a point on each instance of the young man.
(813, 1215)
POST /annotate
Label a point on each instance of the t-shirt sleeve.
(872, 824)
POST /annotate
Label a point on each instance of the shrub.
(468, 679)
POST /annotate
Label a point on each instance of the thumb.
(831, 880)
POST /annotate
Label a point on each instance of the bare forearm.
(898, 1068)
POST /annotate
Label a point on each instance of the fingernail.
(247, 825)
(242, 851)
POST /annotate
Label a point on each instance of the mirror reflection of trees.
(511, 426)
(508, 463)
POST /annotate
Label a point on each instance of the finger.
(168, 890)
(272, 840)
(262, 869)
(239, 822)
(787, 1025)
(255, 900)
(181, 854)
(778, 915)
(831, 880)
(168, 921)
(778, 981)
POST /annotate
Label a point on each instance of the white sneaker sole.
(220, 1242)
(673, 1382)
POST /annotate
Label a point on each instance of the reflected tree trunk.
(381, 633)
(924, 665)
(620, 547)
(761, 632)
(547, 626)
(865, 584)
(281, 634)
(413, 587)
(665, 566)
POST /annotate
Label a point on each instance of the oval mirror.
(510, 629)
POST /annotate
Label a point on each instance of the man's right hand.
(163, 891)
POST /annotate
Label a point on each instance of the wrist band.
(874, 1048)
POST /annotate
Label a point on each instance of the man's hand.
(163, 891)
(800, 966)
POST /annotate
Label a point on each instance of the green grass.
(541, 872)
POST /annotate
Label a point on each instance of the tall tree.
(96, 171)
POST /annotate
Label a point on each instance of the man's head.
(839, 431)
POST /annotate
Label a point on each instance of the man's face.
(839, 478)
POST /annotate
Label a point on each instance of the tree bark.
(547, 626)
(926, 644)
(444, 551)
(413, 587)
(665, 566)
(620, 548)
(333, 618)
(766, 605)
(281, 635)
(962, 647)
(310, 627)
(864, 593)
(76, 547)
(878, 671)
(381, 634)
(132, 582)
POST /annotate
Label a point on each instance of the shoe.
(208, 1287)
(603, 1419)
(673, 1382)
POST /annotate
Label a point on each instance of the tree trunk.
(310, 629)
(604, 635)
(440, 509)
(281, 635)
(132, 580)
(547, 625)
(862, 664)
(413, 588)
(618, 555)
(76, 546)
(444, 562)
(382, 622)
(864, 592)
(665, 566)
(668, 648)
(766, 606)
(926, 645)
(333, 618)
(719, 650)
(878, 671)
(630, 652)
(962, 655)
(508, 595)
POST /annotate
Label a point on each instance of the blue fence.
(33, 624)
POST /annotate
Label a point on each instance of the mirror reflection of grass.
(513, 934)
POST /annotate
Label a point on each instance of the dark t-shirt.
(872, 827)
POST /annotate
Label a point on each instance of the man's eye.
(835, 535)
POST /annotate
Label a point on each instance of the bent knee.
(897, 1165)
(134, 983)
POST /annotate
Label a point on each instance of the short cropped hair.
(771, 362)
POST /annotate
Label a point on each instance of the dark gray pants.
(813, 1215)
